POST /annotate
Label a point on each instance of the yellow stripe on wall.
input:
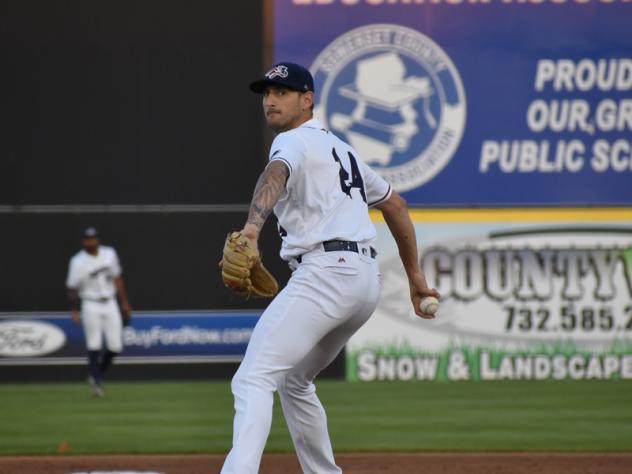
(515, 215)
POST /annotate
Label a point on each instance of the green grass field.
(190, 417)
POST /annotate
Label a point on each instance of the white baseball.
(429, 305)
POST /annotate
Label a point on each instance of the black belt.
(98, 300)
(341, 245)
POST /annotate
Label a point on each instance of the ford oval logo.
(29, 338)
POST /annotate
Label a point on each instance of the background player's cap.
(89, 233)
(290, 75)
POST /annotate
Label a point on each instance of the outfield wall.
(506, 125)
(526, 295)
(156, 345)
(508, 120)
(134, 117)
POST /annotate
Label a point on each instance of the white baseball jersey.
(328, 298)
(328, 191)
(93, 275)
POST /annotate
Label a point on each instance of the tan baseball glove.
(243, 271)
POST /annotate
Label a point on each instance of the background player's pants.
(99, 320)
(328, 298)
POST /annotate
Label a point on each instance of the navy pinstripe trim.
(289, 166)
(383, 198)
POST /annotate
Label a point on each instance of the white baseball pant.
(329, 296)
(101, 319)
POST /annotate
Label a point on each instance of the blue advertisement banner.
(475, 103)
(153, 337)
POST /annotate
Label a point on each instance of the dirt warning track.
(360, 463)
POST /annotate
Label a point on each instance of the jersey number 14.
(355, 181)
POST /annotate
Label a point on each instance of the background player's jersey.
(93, 275)
(328, 192)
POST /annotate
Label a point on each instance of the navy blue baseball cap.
(90, 233)
(290, 75)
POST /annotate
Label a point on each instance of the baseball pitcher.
(320, 191)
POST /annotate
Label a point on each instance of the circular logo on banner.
(29, 338)
(396, 97)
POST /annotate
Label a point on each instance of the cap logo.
(277, 71)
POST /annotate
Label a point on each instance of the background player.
(320, 191)
(94, 280)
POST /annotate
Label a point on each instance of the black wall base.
(128, 372)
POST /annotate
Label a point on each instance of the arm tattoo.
(268, 190)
